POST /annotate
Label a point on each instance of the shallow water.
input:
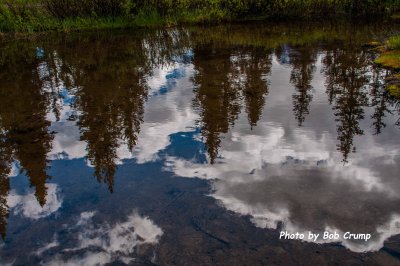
(199, 145)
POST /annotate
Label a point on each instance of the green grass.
(394, 43)
(394, 90)
(43, 15)
(389, 59)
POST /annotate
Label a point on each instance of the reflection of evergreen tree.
(111, 113)
(346, 79)
(32, 143)
(24, 132)
(5, 168)
(23, 112)
(111, 99)
(221, 81)
(54, 78)
(303, 62)
(397, 104)
(216, 98)
(110, 85)
(379, 101)
(253, 67)
(101, 134)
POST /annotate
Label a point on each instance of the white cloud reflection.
(275, 173)
(166, 113)
(103, 244)
(28, 206)
(298, 179)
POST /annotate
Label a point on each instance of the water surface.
(198, 145)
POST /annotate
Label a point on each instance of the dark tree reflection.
(251, 69)
(5, 168)
(379, 100)
(24, 106)
(110, 100)
(222, 80)
(346, 89)
(216, 98)
(111, 113)
(303, 62)
(24, 134)
(107, 73)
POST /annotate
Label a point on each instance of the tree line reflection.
(108, 79)
(223, 81)
(23, 130)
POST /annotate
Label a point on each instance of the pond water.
(199, 145)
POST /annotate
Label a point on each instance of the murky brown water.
(198, 146)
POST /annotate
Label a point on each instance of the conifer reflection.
(110, 100)
(379, 100)
(221, 81)
(397, 106)
(109, 74)
(111, 114)
(251, 69)
(24, 132)
(346, 79)
(5, 168)
(217, 100)
(23, 115)
(303, 62)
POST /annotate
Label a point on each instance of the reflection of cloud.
(297, 179)
(29, 207)
(48, 246)
(66, 143)
(88, 258)
(102, 244)
(15, 169)
(168, 111)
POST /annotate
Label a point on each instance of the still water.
(199, 145)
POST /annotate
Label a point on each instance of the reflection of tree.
(111, 112)
(303, 62)
(53, 77)
(111, 90)
(397, 105)
(5, 168)
(32, 143)
(345, 71)
(217, 99)
(393, 102)
(251, 69)
(220, 81)
(23, 112)
(379, 100)
(23, 129)
(110, 100)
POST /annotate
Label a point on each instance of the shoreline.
(33, 16)
(389, 58)
(103, 24)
